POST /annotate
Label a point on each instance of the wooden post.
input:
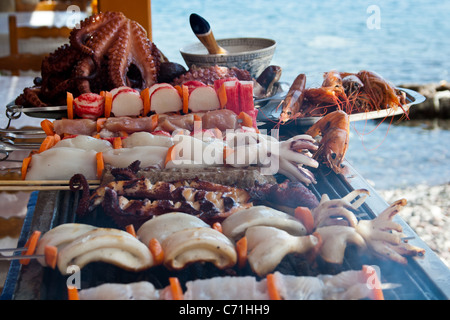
(137, 10)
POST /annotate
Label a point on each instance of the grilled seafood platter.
(187, 180)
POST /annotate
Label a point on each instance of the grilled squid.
(105, 245)
(60, 236)
(198, 244)
(187, 239)
(267, 246)
(335, 240)
(384, 236)
(286, 157)
(236, 225)
(162, 226)
(337, 211)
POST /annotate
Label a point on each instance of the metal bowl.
(251, 54)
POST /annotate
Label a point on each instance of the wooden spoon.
(204, 33)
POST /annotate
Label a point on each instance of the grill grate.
(421, 279)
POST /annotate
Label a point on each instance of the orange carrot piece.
(222, 93)
(157, 251)
(305, 216)
(145, 95)
(57, 138)
(197, 118)
(175, 289)
(185, 95)
(100, 164)
(130, 229)
(217, 226)
(117, 143)
(72, 293)
(247, 121)
(69, 105)
(241, 250)
(48, 142)
(170, 155)
(48, 127)
(100, 123)
(51, 256)
(272, 287)
(108, 104)
(25, 165)
(180, 91)
(371, 278)
(31, 246)
(155, 121)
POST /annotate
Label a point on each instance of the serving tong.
(16, 140)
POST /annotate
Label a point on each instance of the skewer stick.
(40, 185)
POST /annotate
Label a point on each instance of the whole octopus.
(106, 51)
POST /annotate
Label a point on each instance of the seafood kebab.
(175, 240)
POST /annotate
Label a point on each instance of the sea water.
(405, 41)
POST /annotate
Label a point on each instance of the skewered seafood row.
(240, 149)
(79, 244)
(174, 239)
(347, 285)
(135, 200)
(331, 228)
(350, 92)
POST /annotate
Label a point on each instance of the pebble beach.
(428, 214)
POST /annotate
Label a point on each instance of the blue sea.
(405, 41)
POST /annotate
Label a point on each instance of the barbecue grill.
(423, 278)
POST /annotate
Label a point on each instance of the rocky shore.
(437, 103)
(428, 214)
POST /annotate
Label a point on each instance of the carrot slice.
(156, 250)
(48, 142)
(222, 93)
(130, 229)
(241, 250)
(69, 105)
(48, 127)
(197, 118)
(371, 278)
(57, 138)
(108, 104)
(185, 96)
(72, 293)
(217, 226)
(100, 123)
(155, 121)
(180, 91)
(170, 155)
(31, 246)
(175, 289)
(272, 287)
(145, 95)
(25, 165)
(246, 120)
(100, 164)
(117, 143)
(51, 256)
(305, 216)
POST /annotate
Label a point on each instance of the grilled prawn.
(334, 129)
